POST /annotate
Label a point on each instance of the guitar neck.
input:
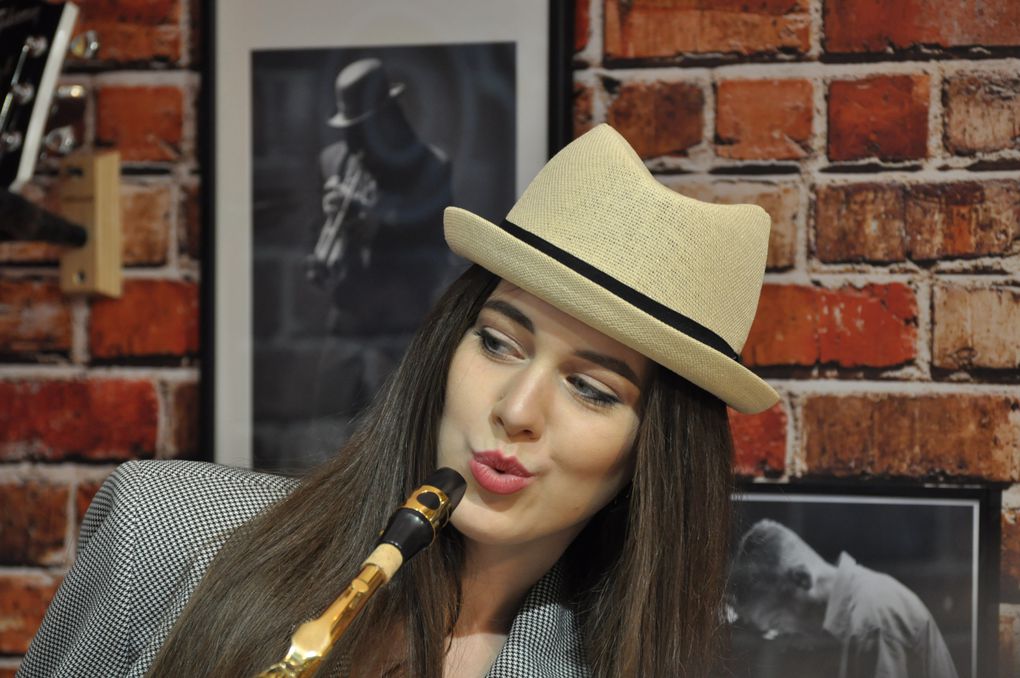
(34, 37)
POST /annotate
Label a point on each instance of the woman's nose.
(520, 408)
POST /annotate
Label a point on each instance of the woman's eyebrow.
(511, 312)
(612, 364)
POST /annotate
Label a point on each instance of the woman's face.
(540, 417)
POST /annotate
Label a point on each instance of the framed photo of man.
(849, 582)
(339, 131)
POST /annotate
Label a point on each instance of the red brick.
(913, 436)
(636, 29)
(976, 327)
(881, 26)
(33, 523)
(660, 118)
(191, 217)
(1009, 643)
(96, 420)
(888, 222)
(759, 442)
(34, 316)
(144, 123)
(45, 195)
(885, 117)
(146, 213)
(151, 318)
(23, 602)
(810, 325)
(982, 113)
(962, 219)
(763, 119)
(184, 415)
(134, 30)
(860, 222)
(29, 253)
(1009, 566)
(582, 24)
(83, 496)
(782, 202)
(582, 108)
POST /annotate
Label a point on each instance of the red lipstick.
(499, 474)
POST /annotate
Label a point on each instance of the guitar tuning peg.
(23, 92)
(70, 92)
(10, 141)
(60, 141)
(36, 44)
(85, 45)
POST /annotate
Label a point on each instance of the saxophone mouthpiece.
(414, 525)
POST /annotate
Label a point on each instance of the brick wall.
(884, 140)
(86, 383)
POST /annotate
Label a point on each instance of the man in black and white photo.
(782, 586)
(380, 250)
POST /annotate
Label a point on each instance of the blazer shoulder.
(184, 492)
(146, 540)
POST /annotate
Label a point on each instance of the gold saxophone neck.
(412, 527)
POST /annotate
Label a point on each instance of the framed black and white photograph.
(340, 131)
(859, 582)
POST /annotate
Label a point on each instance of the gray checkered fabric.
(145, 543)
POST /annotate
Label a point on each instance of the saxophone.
(411, 528)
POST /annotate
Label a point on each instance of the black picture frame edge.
(207, 211)
(560, 132)
(989, 498)
(561, 73)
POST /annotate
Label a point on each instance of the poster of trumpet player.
(862, 583)
(342, 132)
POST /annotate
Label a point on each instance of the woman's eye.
(493, 345)
(594, 395)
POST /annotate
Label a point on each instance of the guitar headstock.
(34, 37)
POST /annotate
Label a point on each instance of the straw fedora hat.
(674, 278)
(362, 87)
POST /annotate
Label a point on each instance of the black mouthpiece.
(414, 525)
(450, 482)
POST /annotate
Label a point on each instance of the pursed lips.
(499, 474)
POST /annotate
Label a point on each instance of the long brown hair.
(645, 577)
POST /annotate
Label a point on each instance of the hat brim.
(341, 120)
(484, 243)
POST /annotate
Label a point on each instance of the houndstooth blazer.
(147, 539)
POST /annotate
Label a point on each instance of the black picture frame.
(225, 46)
(886, 528)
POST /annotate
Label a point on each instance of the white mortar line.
(861, 387)
(1011, 500)
(79, 330)
(173, 235)
(838, 279)
(26, 372)
(184, 27)
(148, 79)
(592, 52)
(163, 418)
(936, 152)
(794, 455)
(804, 233)
(42, 575)
(925, 327)
(815, 30)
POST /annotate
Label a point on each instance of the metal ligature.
(411, 528)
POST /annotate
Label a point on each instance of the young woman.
(577, 376)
